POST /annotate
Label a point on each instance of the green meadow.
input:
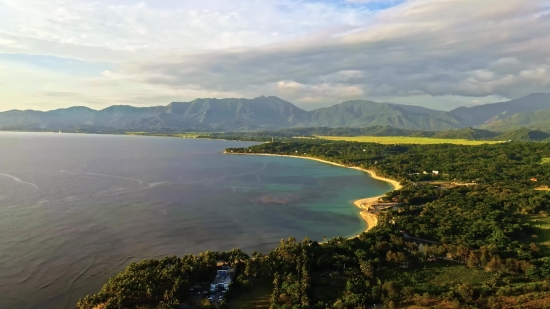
(406, 140)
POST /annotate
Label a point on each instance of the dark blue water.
(76, 209)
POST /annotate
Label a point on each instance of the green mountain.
(347, 131)
(368, 113)
(198, 115)
(271, 113)
(485, 114)
(226, 114)
(539, 120)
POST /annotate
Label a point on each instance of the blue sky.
(435, 53)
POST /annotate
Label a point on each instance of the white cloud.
(421, 47)
(314, 93)
(86, 29)
(305, 51)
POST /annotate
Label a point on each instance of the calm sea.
(76, 209)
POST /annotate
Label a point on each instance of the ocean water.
(76, 209)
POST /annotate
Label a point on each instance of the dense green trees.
(161, 283)
(475, 206)
(511, 163)
(378, 267)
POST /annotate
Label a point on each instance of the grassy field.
(435, 278)
(441, 274)
(257, 298)
(181, 135)
(545, 160)
(451, 275)
(405, 140)
(542, 235)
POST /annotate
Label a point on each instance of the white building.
(223, 280)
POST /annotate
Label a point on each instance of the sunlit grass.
(545, 160)
(405, 140)
(542, 232)
(258, 297)
(457, 274)
(440, 274)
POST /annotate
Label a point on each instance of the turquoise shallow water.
(76, 209)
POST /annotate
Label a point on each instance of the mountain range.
(272, 113)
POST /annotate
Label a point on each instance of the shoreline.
(370, 218)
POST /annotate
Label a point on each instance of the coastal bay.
(76, 209)
(370, 218)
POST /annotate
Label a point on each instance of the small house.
(435, 172)
(534, 179)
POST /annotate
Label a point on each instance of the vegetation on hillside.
(487, 114)
(162, 283)
(524, 134)
(272, 113)
(539, 120)
(469, 134)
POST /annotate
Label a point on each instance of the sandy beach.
(370, 218)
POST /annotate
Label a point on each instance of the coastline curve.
(370, 218)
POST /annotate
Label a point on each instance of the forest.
(468, 234)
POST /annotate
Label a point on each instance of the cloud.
(104, 30)
(309, 52)
(421, 47)
(57, 94)
(308, 94)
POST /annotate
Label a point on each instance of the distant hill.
(226, 114)
(468, 133)
(368, 113)
(485, 114)
(524, 134)
(368, 131)
(289, 135)
(200, 114)
(539, 120)
(272, 113)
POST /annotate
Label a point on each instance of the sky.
(440, 54)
